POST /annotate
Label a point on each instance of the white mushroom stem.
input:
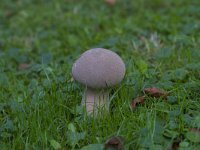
(94, 100)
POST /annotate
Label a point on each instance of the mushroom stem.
(95, 99)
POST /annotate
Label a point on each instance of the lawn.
(40, 103)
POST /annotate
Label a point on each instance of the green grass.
(40, 106)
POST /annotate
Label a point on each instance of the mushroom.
(98, 69)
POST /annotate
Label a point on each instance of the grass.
(40, 105)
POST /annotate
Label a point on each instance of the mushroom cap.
(99, 68)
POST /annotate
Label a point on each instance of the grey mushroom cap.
(99, 68)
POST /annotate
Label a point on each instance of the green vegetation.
(40, 104)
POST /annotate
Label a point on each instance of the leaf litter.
(151, 92)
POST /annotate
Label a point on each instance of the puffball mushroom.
(98, 69)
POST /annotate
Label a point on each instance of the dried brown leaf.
(136, 101)
(110, 2)
(115, 142)
(155, 92)
(23, 66)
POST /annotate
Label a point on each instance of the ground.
(40, 103)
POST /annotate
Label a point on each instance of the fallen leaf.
(23, 66)
(115, 143)
(110, 2)
(155, 92)
(137, 100)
